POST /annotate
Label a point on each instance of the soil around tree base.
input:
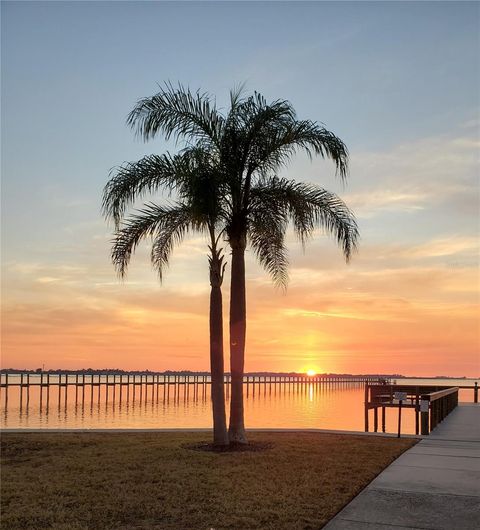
(234, 447)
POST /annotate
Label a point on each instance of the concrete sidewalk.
(435, 485)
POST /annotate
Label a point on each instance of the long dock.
(126, 387)
(435, 485)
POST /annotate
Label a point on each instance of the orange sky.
(333, 321)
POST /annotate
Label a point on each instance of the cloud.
(371, 204)
(448, 246)
(416, 176)
(346, 313)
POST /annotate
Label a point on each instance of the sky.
(398, 82)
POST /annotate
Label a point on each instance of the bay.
(311, 405)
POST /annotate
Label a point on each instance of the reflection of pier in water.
(84, 389)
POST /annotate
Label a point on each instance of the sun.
(311, 373)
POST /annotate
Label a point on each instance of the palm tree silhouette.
(196, 184)
(248, 145)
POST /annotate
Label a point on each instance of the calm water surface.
(323, 406)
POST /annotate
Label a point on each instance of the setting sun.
(311, 373)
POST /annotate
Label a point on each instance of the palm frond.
(177, 113)
(163, 224)
(278, 142)
(309, 207)
(266, 230)
(260, 137)
(133, 180)
(171, 233)
(236, 94)
(245, 123)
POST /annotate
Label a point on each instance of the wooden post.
(66, 390)
(383, 419)
(475, 393)
(417, 410)
(21, 391)
(41, 391)
(399, 418)
(48, 388)
(76, 389)
(433, 415)
(424, 422)
(375, 419)
(28, 389)
(83, 388)
(366, 408)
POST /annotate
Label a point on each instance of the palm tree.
(191, 176)
(249, 144)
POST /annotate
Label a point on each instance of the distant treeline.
(116, 371)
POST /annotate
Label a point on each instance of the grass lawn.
(149, 480)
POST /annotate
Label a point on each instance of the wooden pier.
(431, 404)
(150, 386)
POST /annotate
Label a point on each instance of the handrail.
(433, 396)
(436, 406)
(432, 403)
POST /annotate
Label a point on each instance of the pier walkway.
(435, 485)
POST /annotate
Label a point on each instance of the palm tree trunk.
(236, 431)
(220, 435)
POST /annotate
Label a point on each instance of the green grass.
(149, 480)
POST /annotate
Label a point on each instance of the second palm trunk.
(220, 436)
(236, 431)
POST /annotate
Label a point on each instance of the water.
(323, 406)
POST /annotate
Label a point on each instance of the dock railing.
(439, 405)
(431, 404)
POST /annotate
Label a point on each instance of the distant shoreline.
(116, 371)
